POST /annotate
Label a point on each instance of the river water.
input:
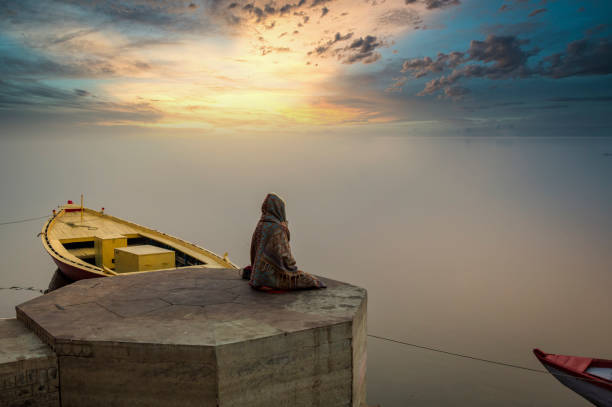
(483, 246)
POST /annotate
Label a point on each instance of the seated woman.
(272, 265)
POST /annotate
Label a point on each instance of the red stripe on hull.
(74, 273)
(576, 369)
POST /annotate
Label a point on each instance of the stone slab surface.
(28, 368)
(203, 337)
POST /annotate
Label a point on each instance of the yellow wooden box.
(143, 258)
(105, 245)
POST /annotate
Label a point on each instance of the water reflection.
(58, 280)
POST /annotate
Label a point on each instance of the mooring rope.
(460, 355)
(23, 220)
(494, 362)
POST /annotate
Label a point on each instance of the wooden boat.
(84, 242)
(589, 377)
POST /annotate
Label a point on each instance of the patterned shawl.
(272, 264)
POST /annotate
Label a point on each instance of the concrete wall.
(359, 344)
(28, 368)
(308, 368)
(120, 374)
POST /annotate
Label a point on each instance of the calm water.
(488, 247)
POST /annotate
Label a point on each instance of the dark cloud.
(71, 36)
(598, 29)
(26, 97)
(25, 93)
(38, 66)
(456, 92)
(505, 54)
(170, 16)
(581, 58)
(155, 13)
(424, 66)
(504, 57)
(497, 57)
(322, 49)
(81, 92)
(433, 4)
(259, 11)
(362, 50)
(501, 57)
(289, 7)
(316, 3)
(538, 11)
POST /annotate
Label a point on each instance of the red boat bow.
(578, 373)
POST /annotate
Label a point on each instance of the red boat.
(589, 377)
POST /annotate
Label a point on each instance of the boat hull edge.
(74, 273)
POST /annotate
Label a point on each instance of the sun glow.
(277, 71)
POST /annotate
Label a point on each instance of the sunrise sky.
(482, 67)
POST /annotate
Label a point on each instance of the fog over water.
(483, 246)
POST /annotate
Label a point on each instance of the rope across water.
(23, 220)
(493, 362)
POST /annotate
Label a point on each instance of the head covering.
(272, 263)
(273, 209)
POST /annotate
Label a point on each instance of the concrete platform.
(28, 368)
(203, 337)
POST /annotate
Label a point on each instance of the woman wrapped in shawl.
(272, 265)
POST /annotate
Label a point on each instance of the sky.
(393, 67)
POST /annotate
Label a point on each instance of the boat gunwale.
(595, 380)
(100, 271)
(58, 256)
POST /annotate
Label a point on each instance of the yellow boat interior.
(102, 244)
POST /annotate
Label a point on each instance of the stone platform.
(28, 368)
(203, 337)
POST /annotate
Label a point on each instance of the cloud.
(426, 65)
(362, 50)
(316, 3)
(81, 92)
(322, 49)
(598, 29)
(500, 57)
(28, 97)
(581, 58)
(397, 85)
(455, 92)
(434, 4)
(505, 54)
(536, 12)
(504, 57)
(267, 50)
(401, 18)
